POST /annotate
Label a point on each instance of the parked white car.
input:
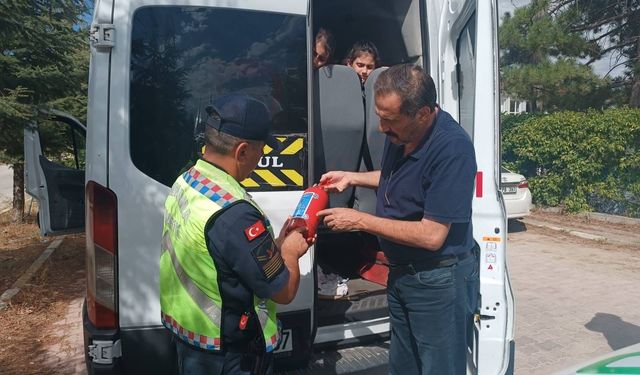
(516, 193)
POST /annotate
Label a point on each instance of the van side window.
(184, 57)
(62, 143)
(466, 53)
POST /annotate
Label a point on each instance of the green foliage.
(43, 64)
(540, 61)
(612, 28)
(582, 160)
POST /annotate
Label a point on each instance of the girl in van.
(363, 58)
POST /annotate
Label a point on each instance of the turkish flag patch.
(255, 230)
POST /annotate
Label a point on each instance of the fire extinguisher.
(313, 200)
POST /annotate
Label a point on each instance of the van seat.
(339, 124)
(365, 199)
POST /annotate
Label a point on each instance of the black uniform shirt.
(247, 262)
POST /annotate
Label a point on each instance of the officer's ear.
(241, 151)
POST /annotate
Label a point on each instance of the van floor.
(365, 301)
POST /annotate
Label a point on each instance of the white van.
(155, 64)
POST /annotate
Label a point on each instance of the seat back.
(365, 199)
(338, 124)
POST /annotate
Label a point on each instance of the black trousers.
(193, 361)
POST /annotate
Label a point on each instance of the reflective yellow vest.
(189, 294)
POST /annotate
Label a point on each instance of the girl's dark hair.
(360, 47)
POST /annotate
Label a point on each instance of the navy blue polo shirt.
(435, 182)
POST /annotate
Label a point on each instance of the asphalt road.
(6, 186)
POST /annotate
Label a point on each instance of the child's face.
(363, 65)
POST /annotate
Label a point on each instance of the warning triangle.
(490, 267)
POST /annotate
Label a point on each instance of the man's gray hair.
(414, 87)
(219, 142)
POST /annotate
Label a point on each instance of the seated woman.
(363, 58)
(323, 48)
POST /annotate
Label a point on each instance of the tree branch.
(590, 26)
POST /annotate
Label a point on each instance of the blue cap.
(242, 116)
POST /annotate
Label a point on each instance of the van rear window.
(184, 57)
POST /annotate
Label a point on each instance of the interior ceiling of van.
(393, 26)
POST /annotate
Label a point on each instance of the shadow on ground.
(619, 334)
(516, 225)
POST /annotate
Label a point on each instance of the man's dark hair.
(414, 87)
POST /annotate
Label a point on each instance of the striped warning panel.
(284, 170)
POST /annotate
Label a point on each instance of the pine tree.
(541, 61)
(43, 64)
(613, 29)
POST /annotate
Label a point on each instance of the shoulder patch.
(255, 230)
(268, 257)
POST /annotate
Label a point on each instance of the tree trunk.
(18, 191)
(634, 101)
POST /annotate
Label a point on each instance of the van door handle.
(479, 317)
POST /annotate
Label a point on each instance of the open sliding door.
(463, 60)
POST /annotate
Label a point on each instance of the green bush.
(580, 160)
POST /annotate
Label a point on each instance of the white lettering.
(270, 161)
(275, 162)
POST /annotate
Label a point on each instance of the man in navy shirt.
(423, 222)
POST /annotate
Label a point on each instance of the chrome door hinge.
(104, 352)
(102, 35)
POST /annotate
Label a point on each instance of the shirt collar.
(423, 146)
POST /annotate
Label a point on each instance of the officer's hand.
(335, 181)
(294, 243)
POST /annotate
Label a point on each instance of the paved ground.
(6, 186)
(575, 299)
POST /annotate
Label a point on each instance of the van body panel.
(490, 223)
(349, 331)
(138, 259)
(98, 102)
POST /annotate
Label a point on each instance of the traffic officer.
(222, 271)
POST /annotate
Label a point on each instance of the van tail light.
(524, 184)
(102, 256)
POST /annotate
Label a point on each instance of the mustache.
(389, 133)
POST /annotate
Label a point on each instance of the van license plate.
(509, 189)
(286, 343)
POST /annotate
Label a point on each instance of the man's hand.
(294, 243)
(335, 181)
(343, 219)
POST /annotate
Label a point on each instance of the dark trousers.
(431, 315)
(192, 361)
